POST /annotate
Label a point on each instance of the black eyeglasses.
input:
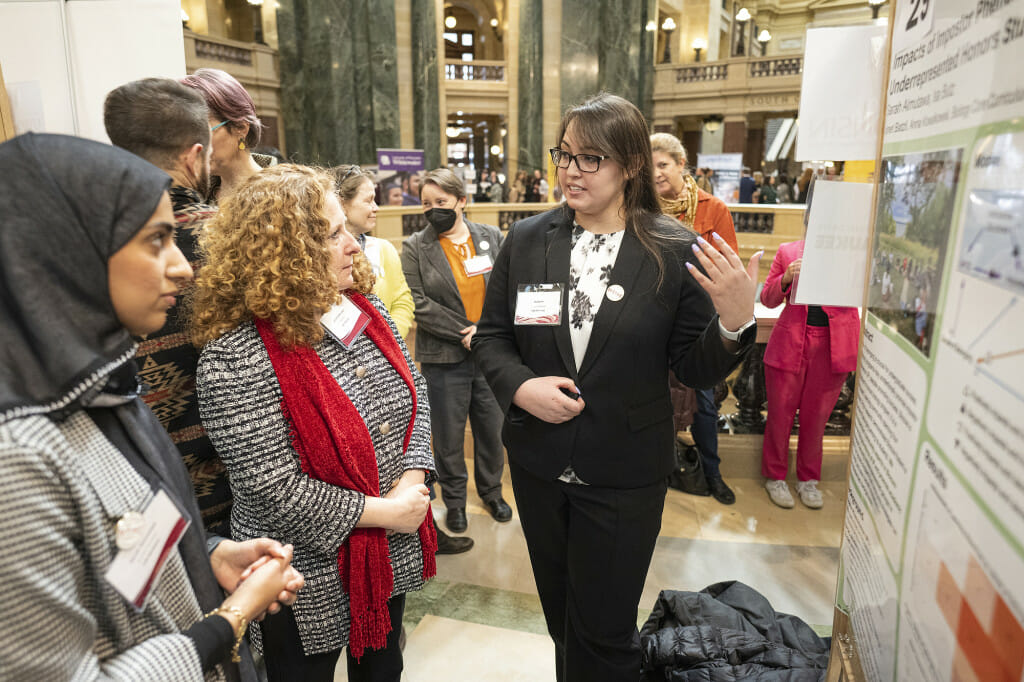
(587, 163)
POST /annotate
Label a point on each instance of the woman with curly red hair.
(312, 401)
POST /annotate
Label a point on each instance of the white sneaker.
(779, 492)
(809, 494)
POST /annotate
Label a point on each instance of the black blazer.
(624, 438)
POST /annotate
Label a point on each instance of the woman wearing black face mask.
(447, 265)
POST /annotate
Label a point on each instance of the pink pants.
(813, 390)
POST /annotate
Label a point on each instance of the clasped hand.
(411, 504)
(260, 572)
(730, 285)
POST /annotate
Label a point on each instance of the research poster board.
(932, 558)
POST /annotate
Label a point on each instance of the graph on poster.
(959, 625)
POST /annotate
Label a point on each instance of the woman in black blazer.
(587, 307)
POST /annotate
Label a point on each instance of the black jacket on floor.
(728, 632)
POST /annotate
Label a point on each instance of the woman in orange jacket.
(704, 214)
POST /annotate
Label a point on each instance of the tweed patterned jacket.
(63, 486)
(240, 403)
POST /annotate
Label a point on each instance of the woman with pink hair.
(234, 128)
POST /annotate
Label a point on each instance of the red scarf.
(334, 446)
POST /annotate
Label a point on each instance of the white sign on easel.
(840, 95)
(835, 247)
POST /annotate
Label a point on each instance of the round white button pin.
(129, 530)
(615, 292)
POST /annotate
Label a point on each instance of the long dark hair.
(616, 127)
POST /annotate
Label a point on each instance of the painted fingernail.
(759, 253)
(702, 240)
(689, 266)
(696, 249)
(716, 236)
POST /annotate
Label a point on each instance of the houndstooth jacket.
(240, 403)
(63, 486)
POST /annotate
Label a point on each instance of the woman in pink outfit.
(810, 352)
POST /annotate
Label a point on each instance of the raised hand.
(730, 285)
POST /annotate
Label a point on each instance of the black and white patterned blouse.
(590, 272)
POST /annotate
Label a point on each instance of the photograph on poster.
(915, 211)
(992, 249)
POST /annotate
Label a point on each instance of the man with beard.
(166, 123)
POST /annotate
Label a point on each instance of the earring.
(241, 143)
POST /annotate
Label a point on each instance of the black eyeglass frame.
(556, 152)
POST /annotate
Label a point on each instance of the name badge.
(345, 321)
(145, 539)
(539, 304)
(477, 265)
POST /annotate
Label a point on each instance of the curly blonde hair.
(267, 255)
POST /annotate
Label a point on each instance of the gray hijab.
(66, 206)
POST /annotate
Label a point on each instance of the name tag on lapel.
(477, 265)
(539, 304)
(145, 541)
(345, 321)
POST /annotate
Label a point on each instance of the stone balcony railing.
(730, 86)
(478, 70)
(256, 68)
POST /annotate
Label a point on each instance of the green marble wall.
(532, 144)
(425, 85)
(605, 47)
(339, 83)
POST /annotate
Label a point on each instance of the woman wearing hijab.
(590, 305)
(87, 259)
(706, 215)
(312, 401)
(447, 265)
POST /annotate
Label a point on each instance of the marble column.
(531, 97)
(734, 138)
(339, 83)
(605, 47)
(582, 23)
(425, 86)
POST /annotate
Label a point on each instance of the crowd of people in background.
(280, 384)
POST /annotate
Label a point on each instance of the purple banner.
(400, 159)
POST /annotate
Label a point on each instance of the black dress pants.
(286, 661)
(590, 548)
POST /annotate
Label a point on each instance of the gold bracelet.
(242, 624)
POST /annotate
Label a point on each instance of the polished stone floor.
(480, 618)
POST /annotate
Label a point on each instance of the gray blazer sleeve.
(240, 404)
(432, 315)
(51, 631)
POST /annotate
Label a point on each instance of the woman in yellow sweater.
(356, 191)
